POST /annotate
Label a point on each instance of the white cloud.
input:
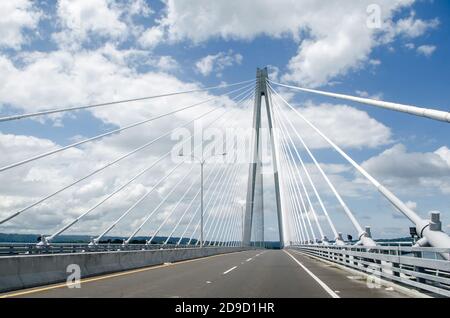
(333, 37)
(345, 125)
(205, 65)
(87, 77)
(444, 153)
(349, 44)
(83, 20)
(426, 50)
(413, 28)
(392, 162)
(151, 37)
(17, 17)
(218, 62)
(137, 7)
(233, 19)
(167, 63)
(408, 170)
(274, 73)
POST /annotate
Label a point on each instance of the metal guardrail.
(418, 267)
(11, 249)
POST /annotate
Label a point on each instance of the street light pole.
(202, 162)
(243, 220)
(201, 209)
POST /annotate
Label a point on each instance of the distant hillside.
(402, 239)
(33, 238)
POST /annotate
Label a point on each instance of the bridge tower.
(254, 207)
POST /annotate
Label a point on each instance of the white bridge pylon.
(255, 168)
(291, 214)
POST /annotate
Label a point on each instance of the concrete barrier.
(26, 271)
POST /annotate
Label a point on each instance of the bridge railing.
(9, 249)
(420, 268)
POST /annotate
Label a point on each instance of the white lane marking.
(317, 279)
(248, 260)
(232, 268)
(208, 282)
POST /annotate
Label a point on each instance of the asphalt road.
(262, 273)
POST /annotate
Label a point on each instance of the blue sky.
(58, 54)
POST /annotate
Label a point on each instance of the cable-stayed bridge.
(204, 234)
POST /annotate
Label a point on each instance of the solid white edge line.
(232, 268)
(317, 279)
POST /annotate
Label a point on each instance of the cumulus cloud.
(413, 27)
(407, 170)
(348, 46)
(273, 73)
(345, 125)
(166, 63)
(328, 44)
(410, 46)
(426, 50)
(80, 19)
(84, 20)
(334, 37)
(151, 37)
(18, 17)
(137, 7)
(87, 77)
(218, 62)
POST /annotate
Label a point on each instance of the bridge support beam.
(255, 169)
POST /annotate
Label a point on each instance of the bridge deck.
(263, 273)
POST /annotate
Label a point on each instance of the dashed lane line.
(231, 269)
